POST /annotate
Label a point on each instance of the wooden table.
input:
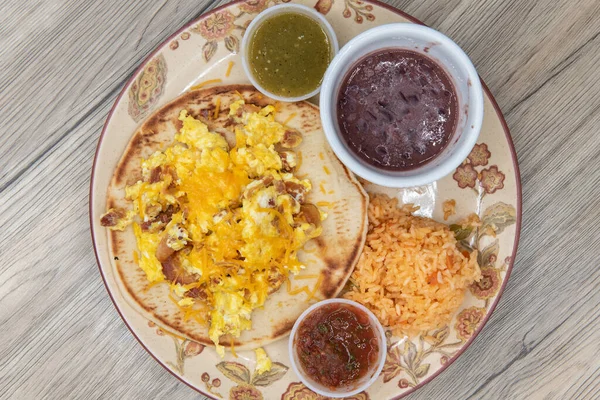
(62, 64)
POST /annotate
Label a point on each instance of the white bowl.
(447, 54)
(369, 378)
(282, 9)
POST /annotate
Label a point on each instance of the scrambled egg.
(223, 225)
(263, 362)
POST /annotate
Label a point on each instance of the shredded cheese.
(205, 83)
(309, 251)
(151, 284)
(229, 69)
(232, 348)
(316, 287)
(288, 119)
(217, 108)
(322, 188)
(299, 162)
(306, 276)
(321, 155)
(247, 244)
(326, 170)
(325, 204)
(300, 290)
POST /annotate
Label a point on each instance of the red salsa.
(337, 345)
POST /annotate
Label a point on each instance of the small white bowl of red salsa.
(337, 348)
(401, 105)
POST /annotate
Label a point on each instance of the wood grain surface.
(62, 64)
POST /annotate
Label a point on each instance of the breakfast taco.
(229, 215)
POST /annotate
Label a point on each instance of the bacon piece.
(275, 280)
(171, 172)
(254, 187)
(311, 214)
(288, 164)
(155, 174)
(166, 215)
(197, 293)
(296, 190)
(162, 219)
(279, 186)
(163, 251)
(172, 241)
(112, 217)
(175, 273)
(146, 225)
(291, 139)
(152, 210)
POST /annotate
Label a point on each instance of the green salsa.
(289, 54)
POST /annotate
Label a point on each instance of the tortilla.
(332, 255)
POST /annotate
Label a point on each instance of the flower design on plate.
(174, 45)
(499, 216)
(297, 391)
(245, 392)
(192, 349)
(147, 88)
(492, 179)
(211, 386)
(409, 358)
(480, 155)
(184, 349)
(403, 383)
(467, 322)
(185, 36)
(437, 337)
(253, 6)
(216, 26)
(360, 9)
(465, 176)
(489, 284)
(247, 381)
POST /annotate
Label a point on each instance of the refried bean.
(397, 109)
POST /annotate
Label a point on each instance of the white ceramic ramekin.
(447, 54)
(360, 385)
(282, 9)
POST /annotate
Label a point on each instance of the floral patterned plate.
(487, 183)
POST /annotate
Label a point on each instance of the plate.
(206, 51)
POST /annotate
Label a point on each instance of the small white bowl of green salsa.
(286, 50)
